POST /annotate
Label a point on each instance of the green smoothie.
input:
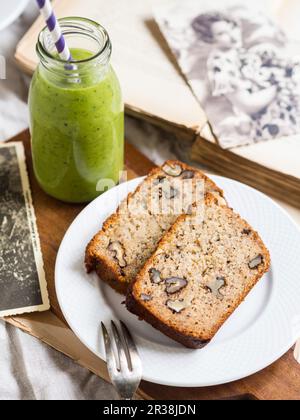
(77, 129)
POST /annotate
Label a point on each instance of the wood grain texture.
(279, 381)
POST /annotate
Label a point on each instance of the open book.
(155, 89)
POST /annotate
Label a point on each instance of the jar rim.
(70, 22)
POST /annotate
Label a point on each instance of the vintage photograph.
(240, 66)
(22, 279)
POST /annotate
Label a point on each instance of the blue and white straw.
(54, 29)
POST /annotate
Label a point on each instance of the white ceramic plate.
(260, 331)
(11, 10)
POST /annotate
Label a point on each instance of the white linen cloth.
(28, 368)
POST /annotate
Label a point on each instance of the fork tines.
(124, 365)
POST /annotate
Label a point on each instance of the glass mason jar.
(76, 114)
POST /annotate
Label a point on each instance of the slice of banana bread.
(199, 274)
(130, 236)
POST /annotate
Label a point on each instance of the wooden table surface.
(279, 381)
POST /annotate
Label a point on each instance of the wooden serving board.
(279, 381)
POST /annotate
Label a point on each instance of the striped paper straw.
(55, 30)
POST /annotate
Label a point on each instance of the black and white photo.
(241, 68)
(22, 278)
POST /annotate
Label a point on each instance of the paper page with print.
(240, 65)
(22, 279)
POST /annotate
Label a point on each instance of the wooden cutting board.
(279, 381)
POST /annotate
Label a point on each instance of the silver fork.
(124, 367)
